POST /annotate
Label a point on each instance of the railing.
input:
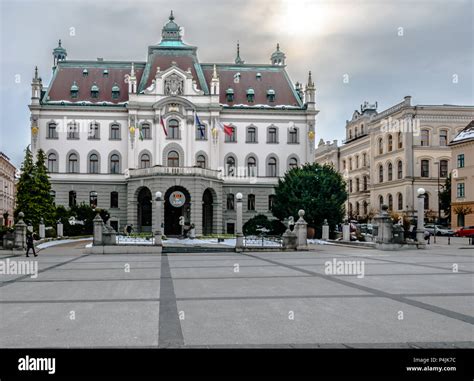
(263, 241)
(173, 171)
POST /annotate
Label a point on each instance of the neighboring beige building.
(7, 189)
(462, 186)
(388, 155)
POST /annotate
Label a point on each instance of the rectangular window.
(94, 131)
(231, 138)
(115, 132)
(460, 190)
(461, 160)
(230, 228)
(443, 168)
(271, 200)
(251, 202)
(272, 135)
(114, 199)
(425, 138)
(293, 136)
(425, 168)
(93, 199)
(251, 135)
(443, 138)
(230, 201)
(52, 134)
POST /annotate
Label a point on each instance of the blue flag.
(201, 127)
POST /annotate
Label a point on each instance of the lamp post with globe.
(158, 232)
(239, 242)
(420, 230)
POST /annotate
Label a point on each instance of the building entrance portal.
(207, 212)
(177, 204)
(144, 210)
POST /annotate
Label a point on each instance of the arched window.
(357, 208)
(145, 161)
(356, 132)
(72, 131)
(173, 159)
(93, 199)
(272, 167)
(350, 186)
(52, 163)
(251, 135)
(350, 136)
(251, 202)
(443, 138)
(94, 163)
(390, 172)
(364, 204)
(73, 163)
(357, 184)
(390, 143)
(230, 201)
(146, 131)
(399, 170)
(173, 129)
(114, 199)
(272, 135)
(380, 173)
(72, 198)
(350, 164)
(390, 202)
(364, 159)
(252, 166)
(114, 131)
(366, 183)
(293, 135)
(201, 161)
(362, 129)
(380, 202)
(400, 140)
(350, 210)
(380, 146)
(425, 138)
(293, 163)
(114, 163)
(356, 161)
(230, 166)
(400, 201)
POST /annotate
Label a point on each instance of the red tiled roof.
(184, 62)
(274, 79)
(65, 76)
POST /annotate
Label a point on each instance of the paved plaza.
(261, 299)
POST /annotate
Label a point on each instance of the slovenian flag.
(228, 130)
(201, 127)
(163, 125)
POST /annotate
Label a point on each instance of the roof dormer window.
(250, 95)
(94, 91)
(85, 73)
(74, 90)
(271, 95)
(115, 91)
(259, 76)
(105, 73)
(229, 94)
(236, 77)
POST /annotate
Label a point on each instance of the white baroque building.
(388, 155)
(115, 133)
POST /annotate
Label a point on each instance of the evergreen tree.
(25, 185)
(42, 197)
(319, 190)
(445, 198)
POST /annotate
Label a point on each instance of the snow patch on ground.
(318, 242)
(44, 245)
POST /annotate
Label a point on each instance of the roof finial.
(171, 16)
(238, 60)
(214, 72)
(59, 42)
(278, 46)
(310, 79)
(36, 72)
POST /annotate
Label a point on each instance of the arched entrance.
(207, 212)
(177, 204)
(144, 220)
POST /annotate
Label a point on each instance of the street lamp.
(437, 163)
(420, 231)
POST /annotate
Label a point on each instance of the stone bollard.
(98, 229)
(239, 241)
(158, 231)
(325, 235)
(42, 232)
(346, 232)
(20, 232)
(289, 239)
(301, 228)
(60, 229)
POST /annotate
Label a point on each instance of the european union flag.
(201, 127)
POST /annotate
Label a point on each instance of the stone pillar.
(158, 231)
(325, 235)
(98, 229)
(20, 232)
(420, 228)
(301, 228)
(41, 229)
(239, 242)
(346, 232)
(60, 229)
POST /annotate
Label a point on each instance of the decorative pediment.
(174, 85)
(173, 82)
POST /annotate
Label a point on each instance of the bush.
(251, 227)
(50, 233)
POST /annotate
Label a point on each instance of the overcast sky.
(388, 49)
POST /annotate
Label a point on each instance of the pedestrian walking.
(30, 244)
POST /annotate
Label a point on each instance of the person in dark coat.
(30, 244)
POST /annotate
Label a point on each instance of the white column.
(420, 229)
(239, 243)
(158, 232)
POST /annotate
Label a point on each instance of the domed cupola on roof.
(59, 54)
(171, 31)
(278, 57)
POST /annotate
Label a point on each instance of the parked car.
(440, 230)
(465, 231)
